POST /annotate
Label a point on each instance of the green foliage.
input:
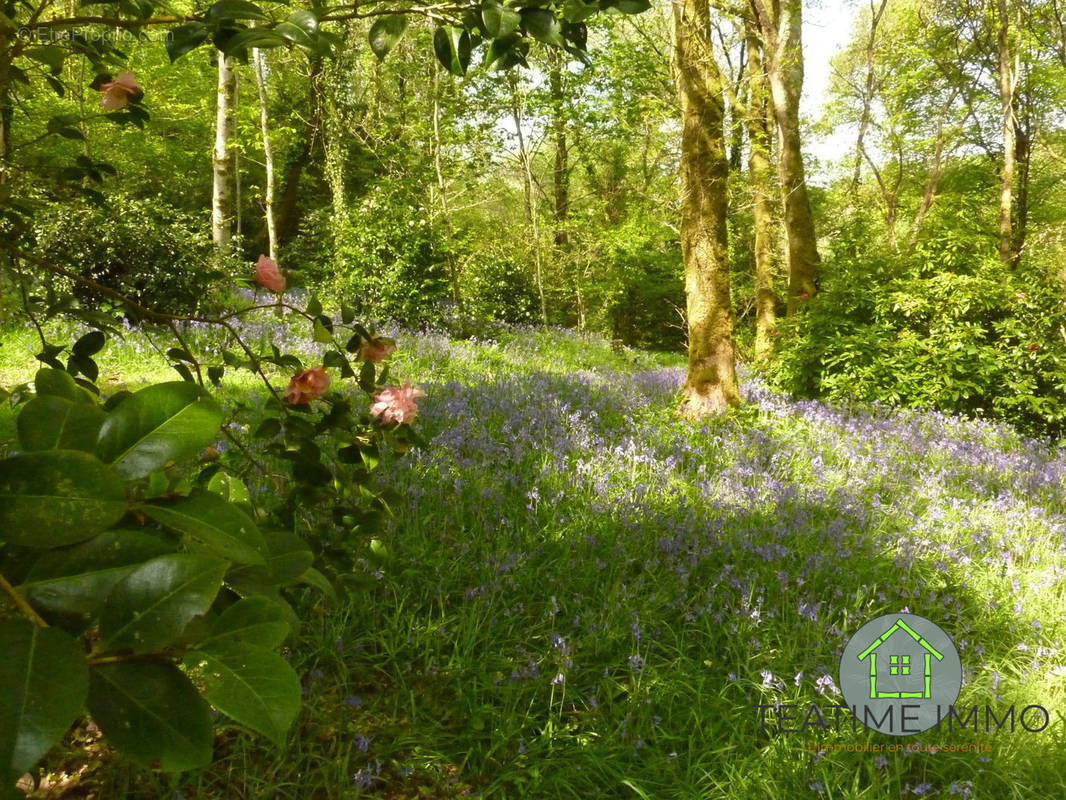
(143, 248)
(141, 582)
(951, 329)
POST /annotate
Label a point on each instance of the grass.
(584, 596)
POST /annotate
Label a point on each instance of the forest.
(532, 399)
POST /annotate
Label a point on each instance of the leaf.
(542, 25)
(151, 606)
(235, 9)
(50, 423)
(385, 33)
(159, 424)
(507, 52)
(217, 526)
(57, 497)
(632, 6)
(73, 582)
(185, 38)
(289, 555)
(497, 20)
(238, 43)
(452, 48)
(256, 620)
(292, 33)
(44, 681)
(51, 56)
(321, 332)
(90, 344)
(152, 713)
(578, 11)
(304, 20)
(253, 685)
(59, 383)
(366, 376)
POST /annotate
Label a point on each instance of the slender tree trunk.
(1023, 150)
(442, 188)
(1007, 75)
(259, 64)
(867, 96)
(758, 123)
(711, 383)
(530, 195)
(222, 158)
(561, 170)
(932, 181)
(781, 24)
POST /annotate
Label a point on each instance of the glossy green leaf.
(295, 34)
(151, 606)
(151, 712)
(59, 383)
(257, 620)
(72, 583)
(214, 525)
(235, 9)
(385, 33)
(43, 684)
(185, 38)
(159, 424)
(499, 20)
(542, 25)
(452, 48)
(49, 423)
(253, 685)
(57, 497)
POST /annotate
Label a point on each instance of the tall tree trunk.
(530, 189)
(259, 65)
(222, 158)
(442, 189)
(561, 169)
(932, 181)
(561, 181)
(711, 383)
(1023, 151)
(758, 123)
(867, 96)
(781, 23)
(1007, 75)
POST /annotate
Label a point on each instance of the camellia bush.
(143, 584)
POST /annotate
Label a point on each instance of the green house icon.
(897, 674)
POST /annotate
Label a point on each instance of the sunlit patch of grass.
(584, 596)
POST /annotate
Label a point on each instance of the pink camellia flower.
(396, 403)
(307, 386)
(268, 275)
(376, 349)
(118, 93)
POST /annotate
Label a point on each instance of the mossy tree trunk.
(711, 383)
(758, 121)
(781, 23)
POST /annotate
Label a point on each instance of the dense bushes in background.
(145, 249)
(950, 328)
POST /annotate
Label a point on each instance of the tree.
(222, 169)
(757, 117)
(781, 24)
(711, 382)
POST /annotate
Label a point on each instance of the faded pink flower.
(307, 386)
(376, 349)
(268, 275)
(396, 403)
(118, 93)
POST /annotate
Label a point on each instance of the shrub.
(949, 329)
(145, 249)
